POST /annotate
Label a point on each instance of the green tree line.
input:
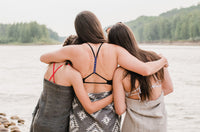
(175, 25)
(26, 33)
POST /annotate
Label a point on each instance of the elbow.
(121, 111)
(171, 90)
(146, 72)
(90, 110)
(42, 59)
(168, 91)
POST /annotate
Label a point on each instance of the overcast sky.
(59, 15)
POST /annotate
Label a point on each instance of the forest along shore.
(184, 43)
(10, 124)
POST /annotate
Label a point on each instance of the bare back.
(156, 88)
(109, 57)
(61, 74)
(105, 65)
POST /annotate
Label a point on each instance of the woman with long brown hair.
(60, 83)
(140, 96)
(97, 60)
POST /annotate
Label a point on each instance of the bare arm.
(60, 55)
(84, 99)
(167, 85)
(129, 62)
(118, 91)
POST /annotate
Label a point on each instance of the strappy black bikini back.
(109, 82)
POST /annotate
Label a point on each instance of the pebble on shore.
(10, 126)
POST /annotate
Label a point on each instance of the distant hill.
(27, 33)
(175, 25)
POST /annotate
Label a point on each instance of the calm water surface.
(21, 77)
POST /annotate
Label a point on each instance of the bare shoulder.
(72, 48)
(50, 66)
(117, 48)
(111, 45)
(70, 71)
(49, 70)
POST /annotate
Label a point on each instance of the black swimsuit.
(109, 82)
(104, 120)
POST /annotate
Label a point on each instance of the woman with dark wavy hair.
(142, 97)
(97, 60)
(60, 83)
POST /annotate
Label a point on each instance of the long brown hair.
(71, 40)
(88, 28)
(122, 35)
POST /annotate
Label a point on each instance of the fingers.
(165, 59)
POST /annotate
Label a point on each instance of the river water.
(21, 77)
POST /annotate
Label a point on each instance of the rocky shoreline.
(10, 124)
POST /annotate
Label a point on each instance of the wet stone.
(14, 118)
(15, 131)
(12, 124)
(21, 121)
(3, 120)
(4, 130)
(14, 128)
(7, 125)
(2, 114)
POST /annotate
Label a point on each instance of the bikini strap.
(54, 71)
(95, 57)
(94, 69)
(137, 92)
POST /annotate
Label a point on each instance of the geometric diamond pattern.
(116, 127)
(73, 123)
(94, 128)
(104, 120)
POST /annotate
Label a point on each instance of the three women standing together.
(94, 61)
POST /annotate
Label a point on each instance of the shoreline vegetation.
(176, 43)
(177, 25)
(30, 44)
(25, 33)
(174, 27)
